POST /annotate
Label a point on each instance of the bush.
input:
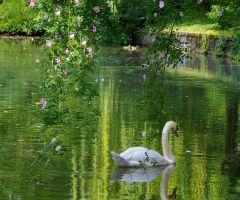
(235, 47)
(221, 47)
(229, 18)
(15, 17)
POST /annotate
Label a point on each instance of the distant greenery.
(230, 14)
(131, 16)
(221, 47)
(235, 46)
(15, 18)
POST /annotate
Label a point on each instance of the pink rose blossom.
(219, 13)
(97, 9)
(161, 4)
(48, 43)
(57, 148)
(32, 3)
(83, 42)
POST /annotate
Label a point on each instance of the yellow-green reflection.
(200, 109)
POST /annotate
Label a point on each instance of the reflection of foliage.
(221, 47)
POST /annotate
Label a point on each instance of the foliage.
(230, 14)
(166, 51)
(221, 47)
(70, 47)
(15, 17)
(205, 43)
(235, 46)
(131, 18)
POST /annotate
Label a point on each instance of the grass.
(202, 24)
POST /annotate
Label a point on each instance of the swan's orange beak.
(176, 133)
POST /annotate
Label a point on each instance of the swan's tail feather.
(119, 160)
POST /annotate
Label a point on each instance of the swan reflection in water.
(133, 174)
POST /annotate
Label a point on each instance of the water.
(201, 96)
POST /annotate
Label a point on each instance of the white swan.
(136, 155)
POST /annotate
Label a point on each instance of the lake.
(201, 95)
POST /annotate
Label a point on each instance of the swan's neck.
(167, 152)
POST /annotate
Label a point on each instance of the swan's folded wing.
(134, 153)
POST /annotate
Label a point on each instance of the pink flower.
(65, 73)
(48, 43)
(78, 18)
(32, 3)
(89, 49)
(49, 19)
(53, 140)
(143, 133)
(42, 100)
(154, 38)
(91, 57)
(97, 9)
(219, 13)
(76, 2)
(44, 104)
(94, 29)
(59, 37)
(78, 24)
(144, 77)
(96, 22)
(66, 51)
(57, 148)
(57, 60)
(83, 42)
(71, 35)
(109, 4)
(58, 12)
(161, 4)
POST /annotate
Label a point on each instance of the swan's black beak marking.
(176, 132)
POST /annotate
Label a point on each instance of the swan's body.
(136, 155)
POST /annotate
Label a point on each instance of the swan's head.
(174, 128)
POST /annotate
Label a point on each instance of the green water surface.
(202, 96)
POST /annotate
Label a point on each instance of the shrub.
(235, 46)
(221, 47)
(15, 17)
(229, 18)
